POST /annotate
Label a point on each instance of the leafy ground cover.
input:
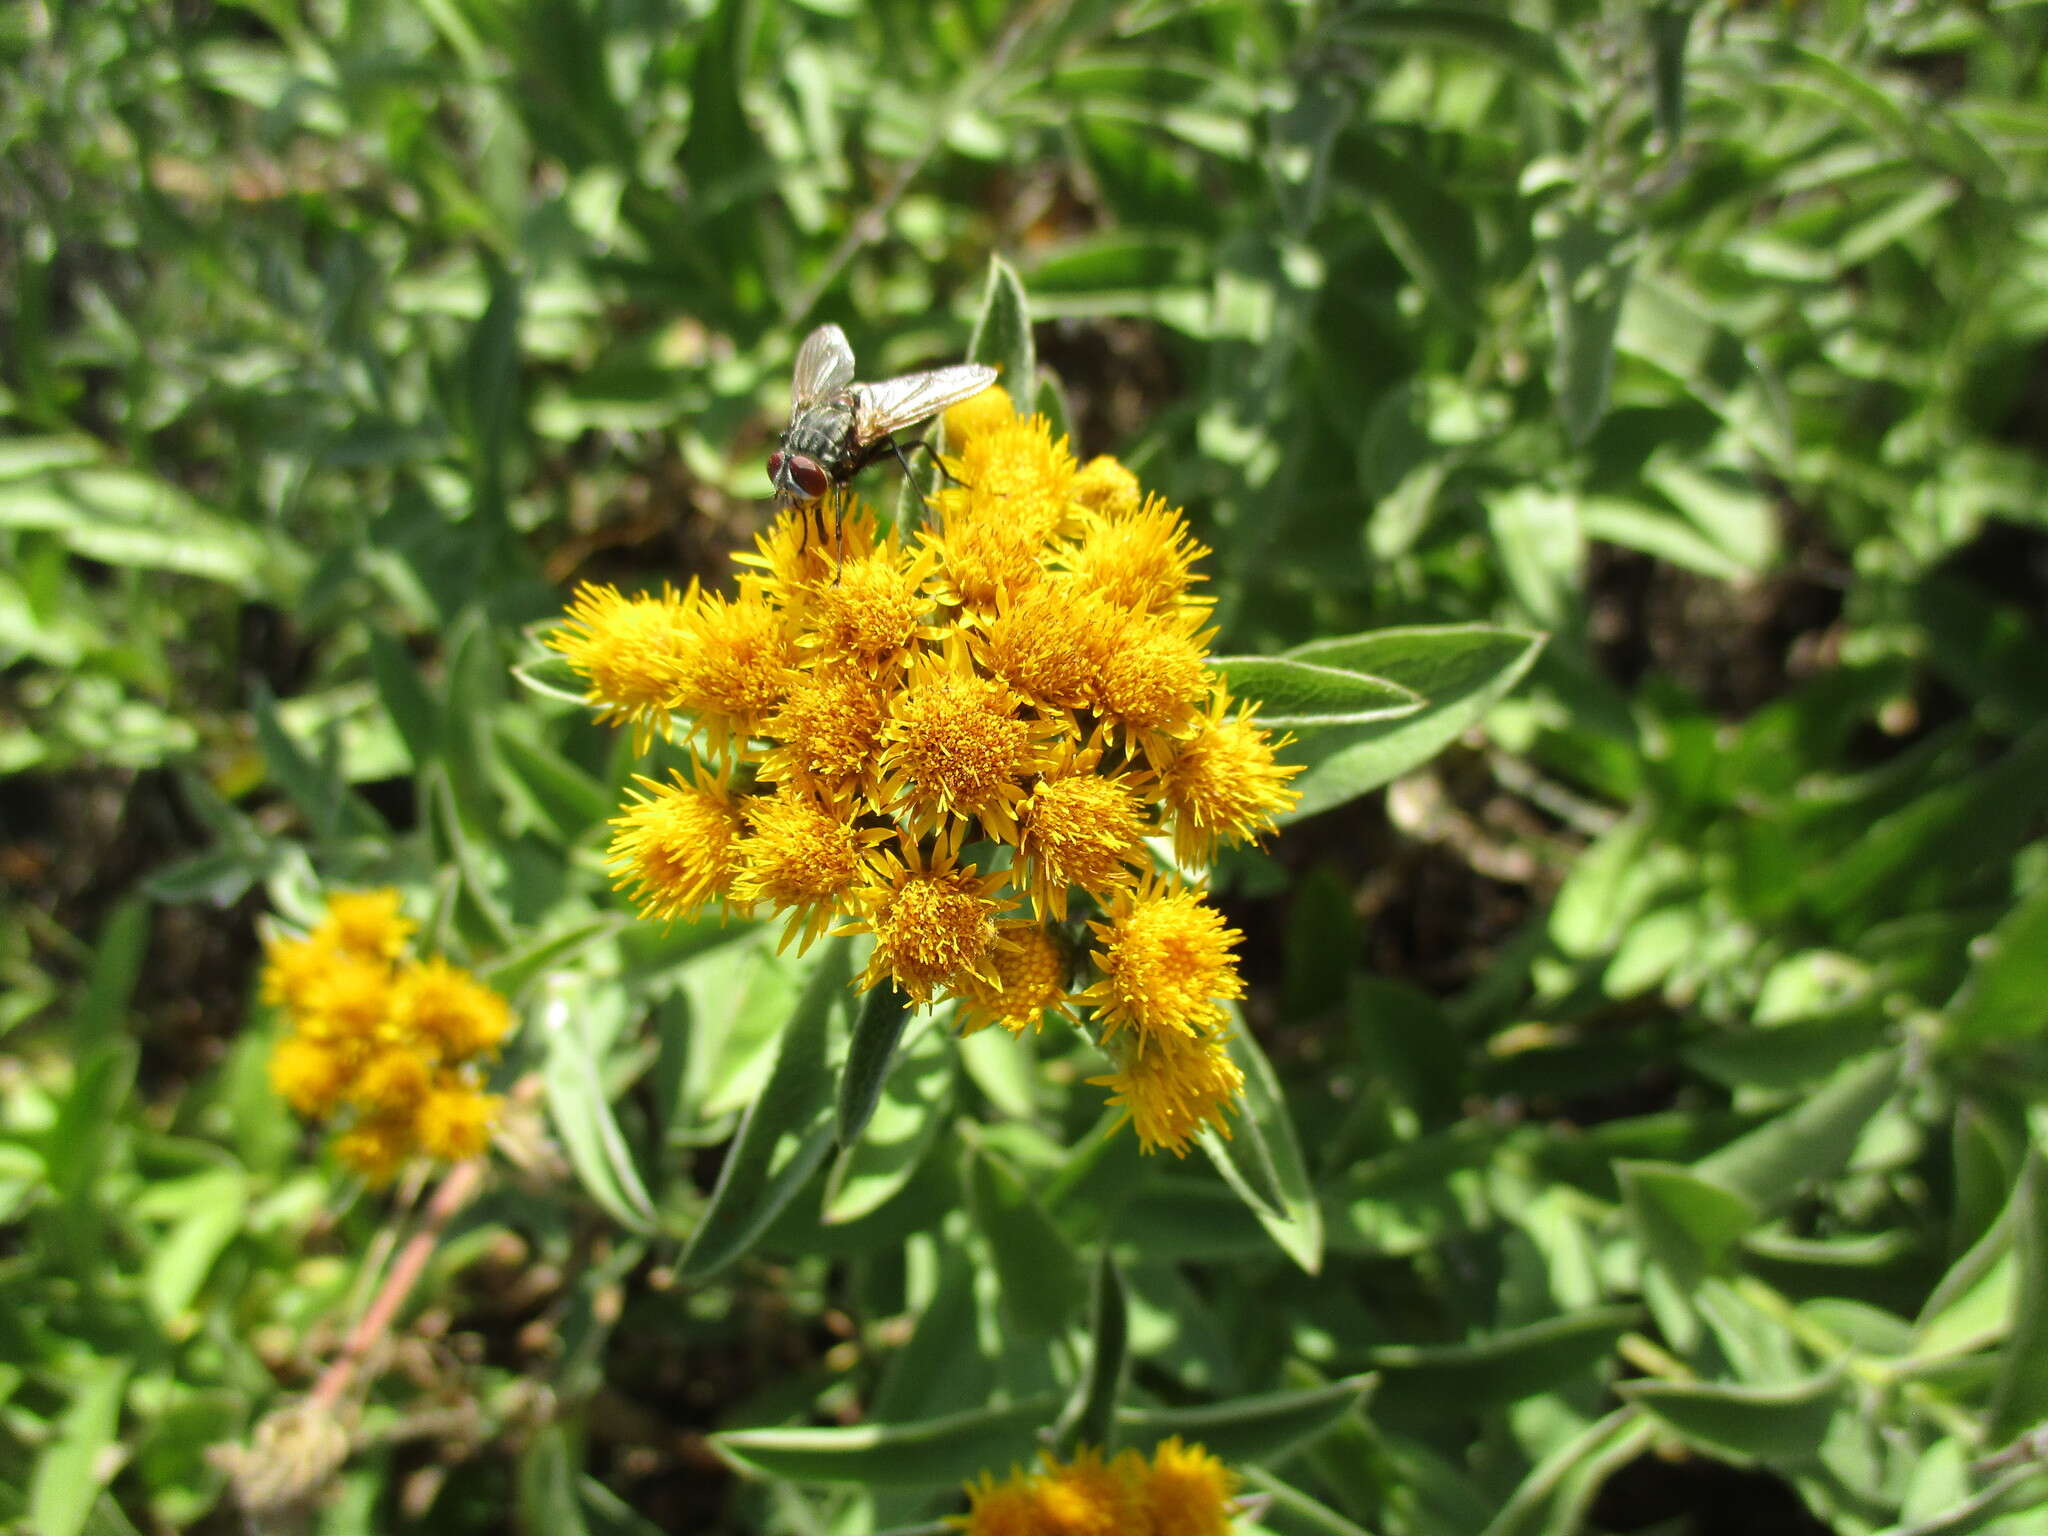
(1617, 430)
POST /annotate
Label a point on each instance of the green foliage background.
(1648, 1128)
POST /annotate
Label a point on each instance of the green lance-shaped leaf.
(1090, 1415)
(1528, 54)
(1778, 1426)
(2005, 994)
(914, 1108)
(1002, 333)
(1812, 1140)
(883, 1014)
(582, 1115)
(406, 698)
(1586, 266)
(1685, 1223)
(923, 1454)
(1552, 1500)
(1459, 670)
(72, 1465)
(2019, 1400)
(1261, 1159)
(1301, 696)
(784, 1134)
(1037, 1269)
(1544, 1357)
(1260, 1428)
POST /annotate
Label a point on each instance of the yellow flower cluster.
(941, 740)
(1181, 1491)
(395, 1045)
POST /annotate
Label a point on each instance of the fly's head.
(799, 480)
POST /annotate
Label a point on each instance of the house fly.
(838, 427)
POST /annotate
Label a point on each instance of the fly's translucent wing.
(824, 365)
(879, 409)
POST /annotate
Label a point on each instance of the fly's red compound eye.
(809, 475)
(775, 465)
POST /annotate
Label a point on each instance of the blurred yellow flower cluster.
(940, 740)
(1181, 1491)
(393, 1045)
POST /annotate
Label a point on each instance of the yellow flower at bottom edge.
(1008, 1508)
(1166, 963)
(674, 850)
(1090, 1497)
(1172, 1086)
(1187, 1491)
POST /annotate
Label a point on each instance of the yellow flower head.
(308, 1075)
(629, 651)
(1015, 494)
(449, 1011)
(1154, 676)
(870, 609)
(1047, 643)
(293, 968)
(1089, 1497)
(349, 1002)
(792, 555)
(386, 1043)
(1141, 561)
(1079, 826)
(1223, 781)
(978, 414)
(393, 1079)
(1008, 1508)
(375, 1146)
(1105, 486)
(676, 846)
(454, 1122)
(737, 667)
(1014, 471)
(365, 923)
(934, 922)
(958, 744)
(1165, 962)
(1172, 1086)
(1187, 1491)
(801, 856)
(827, 732)
(1181, 1491)
(1026, 980)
